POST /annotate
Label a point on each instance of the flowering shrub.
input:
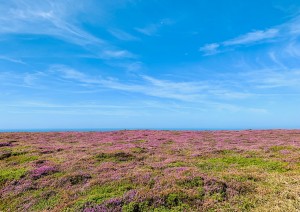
(42, 171)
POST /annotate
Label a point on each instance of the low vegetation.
(144, 170)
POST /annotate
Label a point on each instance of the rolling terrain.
(145, 170)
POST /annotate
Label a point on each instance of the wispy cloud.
(116, 54)
(10, 59)
(247, 39)
(149, 30)
(274, 79)
(210, 49)
(285, 31)
(49, 18)
(292, 49)
(152, 29)
(57, 19)
(252, 37)
(242, 85)
(122, 35)
(130, 66)
(276, 60)
(205, 94)
(188, 91)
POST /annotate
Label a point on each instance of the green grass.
(239, 161)
(173, 202)
(99, 193)
(177, 164)
(190, 183)
(141, 141)
(46, 202)
(22, 158)
(279, 148)
(138, 150)
(8, 173)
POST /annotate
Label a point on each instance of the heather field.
(150, 171)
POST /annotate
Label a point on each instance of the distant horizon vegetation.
(133, 129)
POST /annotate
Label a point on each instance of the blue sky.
(207, 64)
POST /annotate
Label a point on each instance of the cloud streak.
(152, 29)
(253, 37)
(56, 19)
(121, 35)
(10, 59)
(286, 31)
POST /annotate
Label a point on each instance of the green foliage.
(168, 142)
(99, 193)
(173, 200)
(138, 150)
(221, 163)
(22, 158)
(141, 141)
(136, 207)
(191, 183)
(218, 196)
(47, 201)
(179, 208)
(177, 164)
(9, 173)
(279, 148)
(146, 207)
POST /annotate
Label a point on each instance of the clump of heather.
(43, 171)
(3, 144)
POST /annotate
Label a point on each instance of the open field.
(150, 171)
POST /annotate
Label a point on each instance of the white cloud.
(128, 65)
(210, 49)
(56, 19)
(116, 54)
(293, 49)
(148, 30)
(47, 17)
(121, 35)
(252, 37)
(189, 91)
(152, 29)
(249, 38)
(286, 31)
(10, 59)
(274, 79)
(276, 60)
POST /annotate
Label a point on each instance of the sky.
(160, 64)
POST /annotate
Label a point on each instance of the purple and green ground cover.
(150, 171)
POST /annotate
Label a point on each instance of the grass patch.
(11, 174)
(191, 183)
(99, 193)
(279, 148)
(173, 202)
(238, 161)
(177, 164)
(22, 158)
(47, 201)
(139, 150)
(136, 206)
(168, 142)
